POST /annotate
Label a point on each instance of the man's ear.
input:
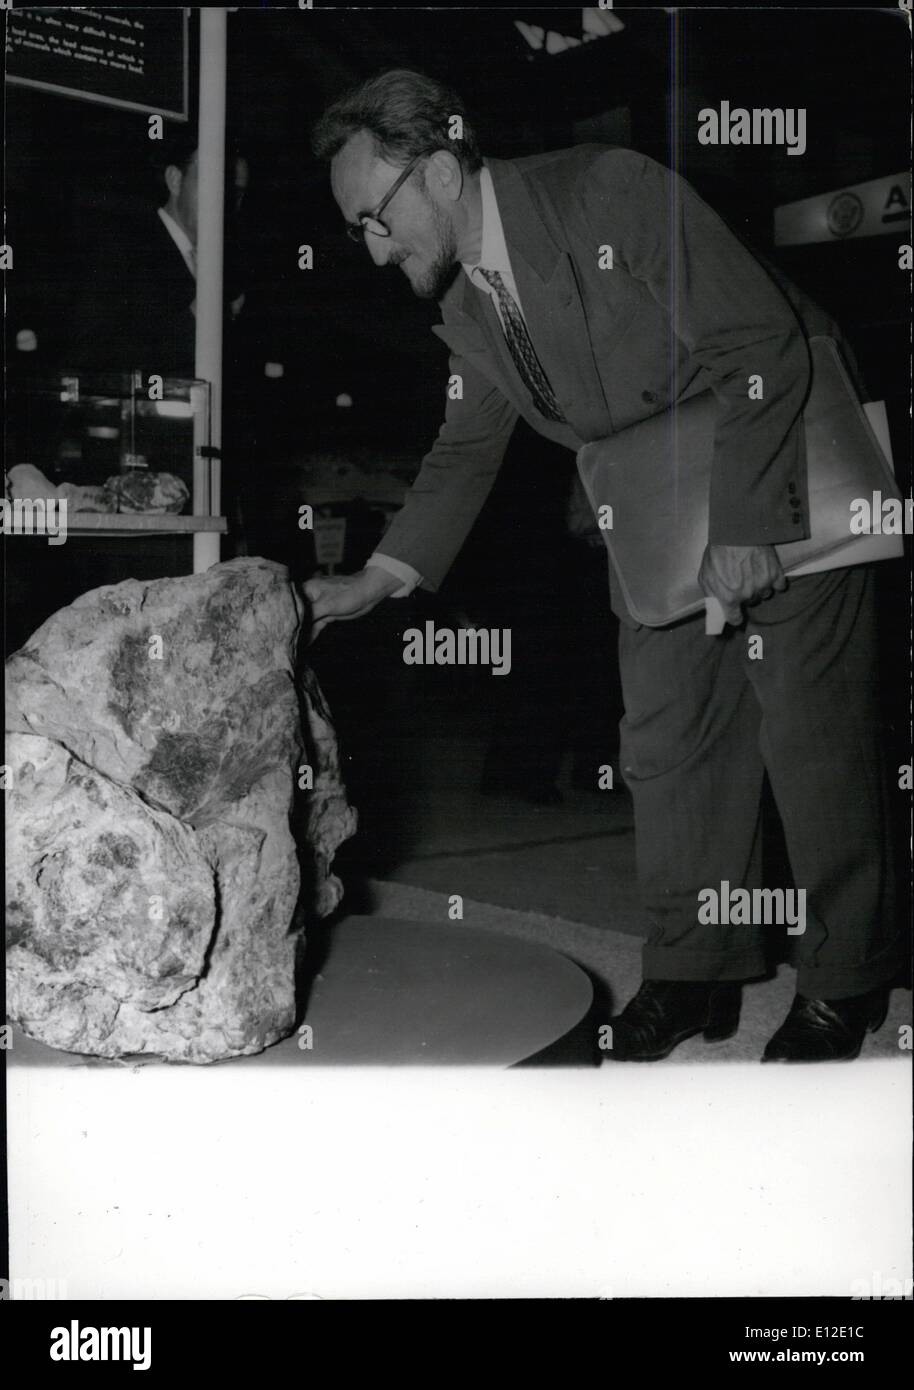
(447, 172)
(173, 180)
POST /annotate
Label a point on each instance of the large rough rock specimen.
(156, 896)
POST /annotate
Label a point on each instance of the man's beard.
(445, 267)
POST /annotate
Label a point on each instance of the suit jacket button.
(649, 397)
(792, 488)
(796, 517)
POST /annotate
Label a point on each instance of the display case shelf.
(141, 524)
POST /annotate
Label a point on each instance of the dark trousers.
(703, 722)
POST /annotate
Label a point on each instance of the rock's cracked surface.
(155, 900)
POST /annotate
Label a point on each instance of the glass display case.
(127, 442)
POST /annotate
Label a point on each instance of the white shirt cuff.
(409, 577)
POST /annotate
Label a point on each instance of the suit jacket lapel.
(483, 315)
(552, 306)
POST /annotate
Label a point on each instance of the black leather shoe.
(665, 1012)
(827, 1030)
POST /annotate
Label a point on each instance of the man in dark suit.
(541, 323)
(136, 305)
(136, 294)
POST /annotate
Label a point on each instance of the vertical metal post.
(211, 190)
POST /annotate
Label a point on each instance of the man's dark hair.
(405, 112)
(178, 148)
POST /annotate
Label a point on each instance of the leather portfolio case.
(656, 478)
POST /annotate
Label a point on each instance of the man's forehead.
(358, 177)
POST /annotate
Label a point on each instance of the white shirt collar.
(180, 239)
(493, 253)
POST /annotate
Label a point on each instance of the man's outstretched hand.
(339, 597)
(738, 574)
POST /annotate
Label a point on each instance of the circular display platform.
(394, 993)
(420, 993)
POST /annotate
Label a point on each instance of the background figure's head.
(175, 164)
(371, 135)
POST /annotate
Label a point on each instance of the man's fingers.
(738, 575)
(329, 600)
(767, 575)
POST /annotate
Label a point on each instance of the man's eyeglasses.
(371, 221)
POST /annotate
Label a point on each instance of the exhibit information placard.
(132, 58)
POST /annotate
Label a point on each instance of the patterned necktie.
(525, 358)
